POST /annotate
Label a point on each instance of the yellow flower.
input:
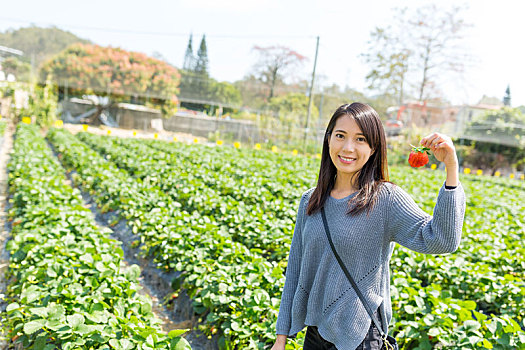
(274, 148)
(85, 127)
(257, 146)
(195, 140)
(497, 174)
(294, 152)
(237, 144)
(433, 166)
(479, 172)
(219, 142)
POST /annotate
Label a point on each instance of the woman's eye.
(339, 136)
(361, 139)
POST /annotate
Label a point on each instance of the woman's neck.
(344, 184)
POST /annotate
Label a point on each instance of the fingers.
(435, 141)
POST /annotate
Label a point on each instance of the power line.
(172, 34)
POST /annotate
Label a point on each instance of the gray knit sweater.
(316, 291)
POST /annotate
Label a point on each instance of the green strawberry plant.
(68, 287)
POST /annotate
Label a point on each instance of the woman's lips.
(348, 160)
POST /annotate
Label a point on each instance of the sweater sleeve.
(414, 229)
(284, 320)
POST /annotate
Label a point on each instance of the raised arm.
(412, 227)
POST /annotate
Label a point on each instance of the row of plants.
(265, 227)
(274, 175)
(68, 286)
(484, 285)
(233, 289)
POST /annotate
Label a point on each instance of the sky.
(233, 27)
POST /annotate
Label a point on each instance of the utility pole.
(320, 119)
(310, 97)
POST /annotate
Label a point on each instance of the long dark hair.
(370, 177)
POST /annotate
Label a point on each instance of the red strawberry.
(418, 157)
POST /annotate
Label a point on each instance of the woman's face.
(349, 149)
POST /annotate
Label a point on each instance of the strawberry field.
(223, 218)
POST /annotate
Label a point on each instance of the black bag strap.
(352, 282)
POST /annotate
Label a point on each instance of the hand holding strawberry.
(442, 147)
(444, 151)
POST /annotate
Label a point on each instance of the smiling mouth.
(346, 160)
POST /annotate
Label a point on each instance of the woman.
(366, 215)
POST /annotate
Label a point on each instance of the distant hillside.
(40, 42)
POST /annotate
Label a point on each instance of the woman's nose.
(349, 145)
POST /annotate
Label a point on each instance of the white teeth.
(347, 159)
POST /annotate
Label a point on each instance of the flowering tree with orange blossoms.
(122, 76)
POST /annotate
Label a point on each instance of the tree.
(420, 45)
(123, 76)
(500, 136)
(291, 110)
(189, 58)
(43, 103)
(17, 67)
(253, 94)
(38, 44)
(506, 98)
(195, 82)
(389, 63)
(226, 93)
(274, 63)
(201, 76)
(201, 66)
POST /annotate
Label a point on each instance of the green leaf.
(11, 307)
(39, 311)
(177, 332)
(487, 344)
(30, 294)
(75, 320)
(86, 258)
(114, 343)
(40, 342)
(33, 326)
(471, 325)
(133, 272)
(179, 344)
(434, 331)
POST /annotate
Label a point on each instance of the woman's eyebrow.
(344, 132)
